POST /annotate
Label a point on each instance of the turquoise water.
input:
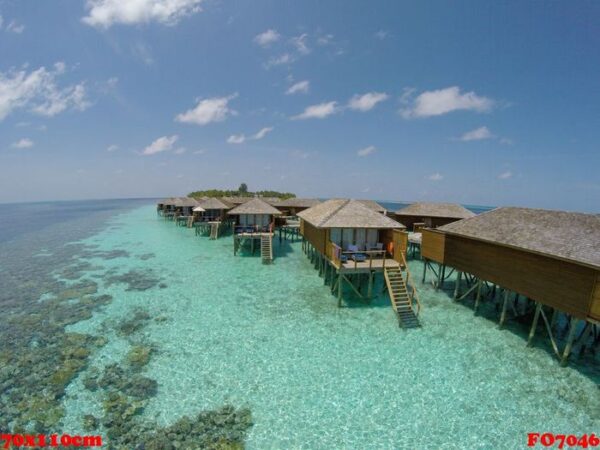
(226, 329)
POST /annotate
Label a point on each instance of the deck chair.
(358, 257)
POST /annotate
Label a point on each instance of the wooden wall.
(433, 245)
(317, 237)
(595, 307)
(400, 244)
(559, 284)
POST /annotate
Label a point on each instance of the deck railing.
(251, 229)
(339, 256)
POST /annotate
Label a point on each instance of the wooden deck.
(377, 265)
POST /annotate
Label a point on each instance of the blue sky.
(491, 104)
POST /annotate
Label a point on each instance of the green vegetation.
(242, 191)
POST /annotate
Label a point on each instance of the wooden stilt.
(339, 292)
(504, 305)
(424, 269)
(478, 296)
(567, 351)
(370, 288)
(457, 286)
(536, 316)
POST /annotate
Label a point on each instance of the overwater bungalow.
(551, 258)
(254, 222)
(183, 210)
(210, 217)
(347, 240)
(162, 205)
(431, 215)
(292, 206)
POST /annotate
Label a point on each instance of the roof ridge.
(345, 201)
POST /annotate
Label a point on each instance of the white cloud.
(180, 151)
(477, 134)
(286, 58)
(435, 177)
(505, 175)
(105, 13)
(366, 151)
(241, 138)
(1, 21)
(366, 102)
(319, 111)
(300, 43)
(236, 139)
(23, 143)
(38, 91)
(506, 141)
(15, 27)
(209, 110)
(112, 148)
(325, 40)
(262, 133)
(299, 87)
(267, 38)
(381, 34)
(162, 144)
(443, 101)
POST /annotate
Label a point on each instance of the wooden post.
(339, 292)
(370, 288)
(424, 269)
(457, 286)
(536, 316)
(504, 305)
(440, 277)
(567, 351)
(478, 296)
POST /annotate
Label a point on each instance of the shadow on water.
(587, 363)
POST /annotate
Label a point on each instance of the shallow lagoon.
(228, 330)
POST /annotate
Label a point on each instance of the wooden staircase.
(214, 230)
(401, 298)
(266, 248)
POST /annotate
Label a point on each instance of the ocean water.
(214, 329)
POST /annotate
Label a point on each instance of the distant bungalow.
(210, 217)
(550, 257)
(292, 206)
(346, 238)
(254, 220)
(431, 215)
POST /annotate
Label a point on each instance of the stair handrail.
(409, 281)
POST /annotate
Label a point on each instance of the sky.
(481, 103)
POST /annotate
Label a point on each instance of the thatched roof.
(236, 200)
(198, 209)
(254, 206)
(427, 209)
(343, 213)
(213, 203)
(560, 234)
(373, 205)
(296, 203)
(166, 201)
(185, 201)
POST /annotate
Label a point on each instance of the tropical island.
(242, 191)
